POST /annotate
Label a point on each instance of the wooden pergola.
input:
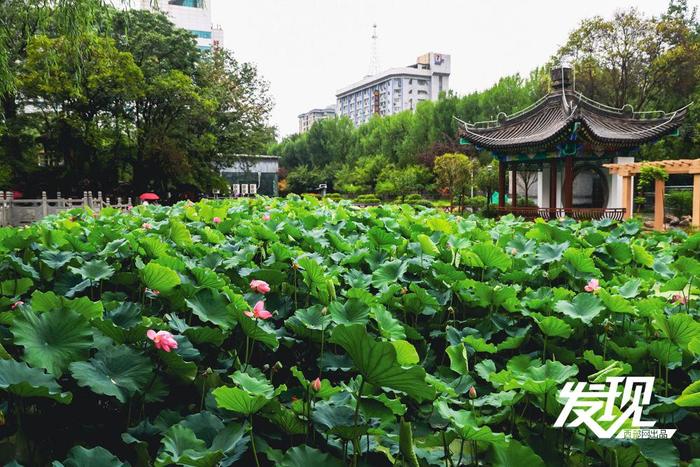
(680, 166)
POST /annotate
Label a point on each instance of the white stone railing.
(25, 211)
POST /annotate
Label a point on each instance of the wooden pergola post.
(514, 187)
(678, 166)
(627, 195)
(696, 200)
(501, 184)
(659, 211)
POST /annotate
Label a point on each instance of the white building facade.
(306, 120)
(396, 89)
(193, 15)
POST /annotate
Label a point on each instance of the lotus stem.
(252, 441)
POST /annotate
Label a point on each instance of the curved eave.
(618, 132)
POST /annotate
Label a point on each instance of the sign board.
(236, 189)
(244, 189)
(253, 189)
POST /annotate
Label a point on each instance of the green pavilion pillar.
(553, 185)
(514, 187)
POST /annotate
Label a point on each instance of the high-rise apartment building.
(396, 89)
(193, 15)
(306, 120)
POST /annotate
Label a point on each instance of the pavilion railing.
(555, 213)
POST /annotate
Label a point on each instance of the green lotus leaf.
(687, 266)
(253, 385)
(313, 318)
(552, 326)
(377, 362)
(389, 273)
(616, 303)
(179, 233)
(239, 400)
(584, 307)
(680, 328)
(15, 287)
(232, 441)
(338, 420)
(467, 428)
(550, 252)
(49, 301)
(22, 380)
(177, 365)
(327, 389)
(620, 251)
(459, 360)
(514, 454)
(581, 262)
(52, 340)
(406, 353)
(95, 270)
(537, 379)
(116, 371)
(182, 447)
(305, 456)
(479, 344)
(427, 245)
(56, 259)
(161, 278)
(353, 311)
(389, 327)
(95, 457)
(690, 397)
(212, 307)
(207, 278)
(205, 335)
(492, 256)
(256, 330)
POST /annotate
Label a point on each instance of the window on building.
(423, 82)
(202, 34)
(187, 3)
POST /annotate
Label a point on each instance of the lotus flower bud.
(316, 384)
(472, 392)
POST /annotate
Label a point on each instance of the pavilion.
(567, 138)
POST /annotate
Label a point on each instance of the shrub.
(368, 199)
(680, 202)
(334, 196)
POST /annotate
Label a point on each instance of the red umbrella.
(149, 197)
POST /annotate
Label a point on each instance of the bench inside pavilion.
(567, 138)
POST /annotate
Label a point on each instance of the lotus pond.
(301, 333)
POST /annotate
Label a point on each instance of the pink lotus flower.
(592, 285)
(259, 311)
(472, 392)
(162, 340)
(216, 220)
(514, 251)
(16, 304)
(129, 208)
(679, 299)
(266, 217)
(316, 384)
(151, 291)
(146, 226)
(259, 286)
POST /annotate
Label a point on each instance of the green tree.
(487, 179)
(455, 174)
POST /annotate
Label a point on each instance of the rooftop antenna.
(374, 55)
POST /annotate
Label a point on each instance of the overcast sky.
(308, 49)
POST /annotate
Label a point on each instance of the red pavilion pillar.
(553, 185)
(568, 182)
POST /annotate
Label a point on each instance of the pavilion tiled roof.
(565, 115)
